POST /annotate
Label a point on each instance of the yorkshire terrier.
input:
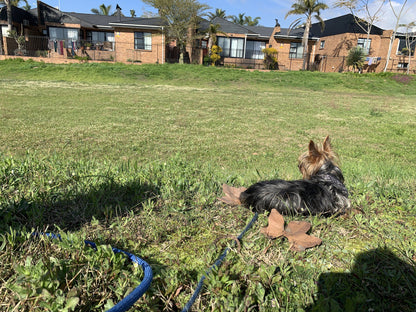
(320, 192)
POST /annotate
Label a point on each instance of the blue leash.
(135, 295)
(139, 291)
(216, 264)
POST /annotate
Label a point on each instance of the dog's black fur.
(322, 191)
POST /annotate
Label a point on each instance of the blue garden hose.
(138, 292)
(216, 264)
(135, 295)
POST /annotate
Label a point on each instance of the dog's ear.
(313, 150)
(327, 144)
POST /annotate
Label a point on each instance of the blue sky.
(267, 10)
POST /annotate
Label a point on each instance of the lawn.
(134, 157)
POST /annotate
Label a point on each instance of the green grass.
(134, 157)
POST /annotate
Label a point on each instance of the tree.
(27, 6)
(218, 13)
(398, 14)
(368, 9)
(212, 31)
(132, 13)
(309, 8)
(180, 18)
(410, 43)
(356, 58)
(102, 10)
(242, 19)
(249, 21)
(9, 4)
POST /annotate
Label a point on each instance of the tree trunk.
(408, 62)
(305, 40)
(1, 42)
(393, 36)
(210, 44)
(9, 15)
(181, 53)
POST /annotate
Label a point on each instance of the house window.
(254, 50)
(142, 41)
(296, 50)
(70, 34)
(402, 65)
(96, 36)
(402, 48)
(231, 47)
(364, 44)
(322, 44)
(101, 40)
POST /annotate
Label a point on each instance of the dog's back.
(324, 193)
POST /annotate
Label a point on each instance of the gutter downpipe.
(163, 46)
(245, 45)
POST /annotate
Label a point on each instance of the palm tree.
(212, 31)
(356, 58)
(239, 19)
(249, 21)
(309, 8)
(218, 13)
(27, 6)
(102, 10)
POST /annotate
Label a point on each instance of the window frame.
(231, 47)
(403, 44)
(143, 40)
(403, 65)
(64, 33)
(296, 50)
(257, 52)
(364, 44)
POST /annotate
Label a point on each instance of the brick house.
(98, 37)
(61, 35)
(327, 48)
(342, 33)
(24, 23)
(241, 45)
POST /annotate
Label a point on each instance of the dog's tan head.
(312, 160)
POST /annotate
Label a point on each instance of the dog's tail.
(232, 195)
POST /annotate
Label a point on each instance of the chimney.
(276, 27)
(118, 9)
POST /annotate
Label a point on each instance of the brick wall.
(125, 52)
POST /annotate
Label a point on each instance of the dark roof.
(341, 25)
(261, 30)
(142, 22)
(233, 28)
(293, 33)
(52, 15)
(18, 15)
(85, 20)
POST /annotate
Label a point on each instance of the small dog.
(322, 190)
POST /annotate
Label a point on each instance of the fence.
(59, 50)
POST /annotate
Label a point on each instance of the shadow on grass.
(71, 210)
(379, 281)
